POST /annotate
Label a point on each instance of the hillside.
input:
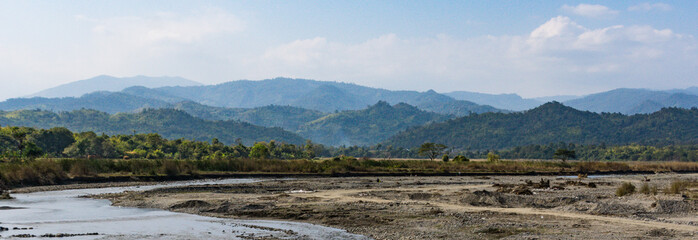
(502, 101)
(102, 101)
(633, 101)
(286, 117)
(368, 126)
(553, 123)
(112, 84)
(170, 123)
(314, 95)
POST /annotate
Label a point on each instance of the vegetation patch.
(625, 189)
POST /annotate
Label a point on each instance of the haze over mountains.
(109, 83)
(633, 101)
(622, 100)
(329, 113)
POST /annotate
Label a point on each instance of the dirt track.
(448, 207)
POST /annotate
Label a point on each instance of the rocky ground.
(512, 207)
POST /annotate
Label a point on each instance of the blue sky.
(533, 48)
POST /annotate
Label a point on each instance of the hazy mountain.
(286, 117)
(315, 95)
(170, 123)
(109, 83)
(368, 126)
(553, 123)
(690, 90)
(632, 101)
(556, 98)
(501, 101)
(103, 101)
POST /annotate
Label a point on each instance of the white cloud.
(165, 26)
(646, 7)
(192, 44)
(559, 53)
(590, 10)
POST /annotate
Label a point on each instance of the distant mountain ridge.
(350, 127)
(311, 94)
(112, 84)
(633, 101)
(502, 101)
(622, 100)
(554, 123)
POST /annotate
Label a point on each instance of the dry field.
(511, 207)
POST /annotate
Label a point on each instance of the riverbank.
(471, 207)
(42, 172)
(67, 213)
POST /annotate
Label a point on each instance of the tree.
(53, 141)
(259, 150)
(564, 154)
(19, 134)
(431, 150)
(492, 157)
(460, 158)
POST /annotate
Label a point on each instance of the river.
(65, 212)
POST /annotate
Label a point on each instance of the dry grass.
(51, 171)
(625, 189)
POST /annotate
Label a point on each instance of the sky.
(532, 48)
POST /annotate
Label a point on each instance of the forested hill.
(169, 123)
(552, 123)
(368, 126)
(286, 117)
(310, 94)
(109, 102)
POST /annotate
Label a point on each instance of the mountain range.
(330, 113)
(503, 101)
(552, 123)
(623, 100)
(634, 101)
(309, 94)
(109, 83)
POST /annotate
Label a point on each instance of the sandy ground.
(516, 207)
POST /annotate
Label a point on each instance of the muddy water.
(57, 212)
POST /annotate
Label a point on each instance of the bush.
(445, 158)
(80, 169)
(645, 189)
(170, 168)
(460, 158)
(677, 187)
(492, 157)
(625, 189)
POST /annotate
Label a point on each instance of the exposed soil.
(513, 207)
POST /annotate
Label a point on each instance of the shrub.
(170, 168)
(677, 187)
(445, 158)
(645, 189)
(625, 189)
(492, 157)
(460, 158)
